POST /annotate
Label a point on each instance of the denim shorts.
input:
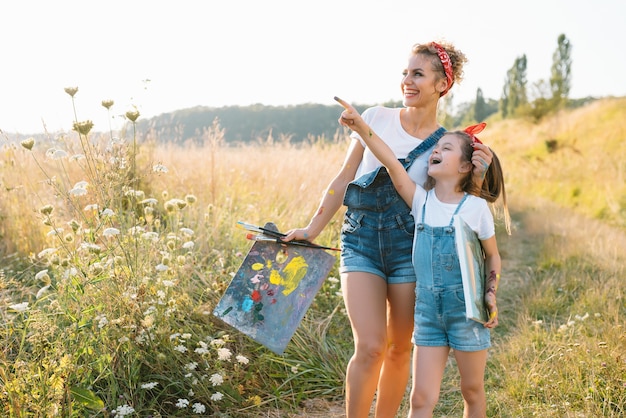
(440, 321)
(379, 245)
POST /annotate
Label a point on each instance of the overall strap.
(458, 208)
(421, 148)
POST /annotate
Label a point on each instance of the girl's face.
(419, 82)
(447, 159)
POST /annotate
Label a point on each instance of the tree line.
(314, 121)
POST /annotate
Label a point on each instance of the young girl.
(440, 322)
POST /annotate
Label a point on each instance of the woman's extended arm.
(333, 196)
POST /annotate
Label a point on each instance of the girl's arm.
(333, 196)
(493, 267)
(399, 176)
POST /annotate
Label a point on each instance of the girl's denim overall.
(440, 303)
(377, 232)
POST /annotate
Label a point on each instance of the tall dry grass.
(125, 329)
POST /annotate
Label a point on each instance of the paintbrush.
(260, 230)
(308, 244)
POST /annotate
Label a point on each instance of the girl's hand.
(350, 118)
(481, 159)
(492, 309)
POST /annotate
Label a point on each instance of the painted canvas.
(472, 262)
(272, 290)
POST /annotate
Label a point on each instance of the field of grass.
(115, 250)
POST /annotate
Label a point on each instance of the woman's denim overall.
(377, 233)
(439, 300)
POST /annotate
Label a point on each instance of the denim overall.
(377, 232)
(440, 303)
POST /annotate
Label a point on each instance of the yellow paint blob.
(331, 192)
(291, 275)
(257, 266)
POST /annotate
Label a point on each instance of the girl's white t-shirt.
(474, 211)
(385, 122)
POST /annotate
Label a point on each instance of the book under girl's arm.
(493, 267)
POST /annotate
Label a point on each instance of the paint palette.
(272, 290)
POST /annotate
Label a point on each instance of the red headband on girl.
(447, 65)
(475, 129)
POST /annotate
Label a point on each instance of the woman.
(377, 275)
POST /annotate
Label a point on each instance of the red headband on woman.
(447, 65)
(475, 129)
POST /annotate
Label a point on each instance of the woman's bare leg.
(395, 371)
(365, 297)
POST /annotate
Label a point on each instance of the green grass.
(119, 300)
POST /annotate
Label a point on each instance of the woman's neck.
(419, 122)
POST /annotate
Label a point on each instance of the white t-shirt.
(385, 122)
(474, 211)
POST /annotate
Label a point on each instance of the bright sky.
(279, 52)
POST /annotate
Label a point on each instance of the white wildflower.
(92, 207)
(150, 236)
(107, 213)
(123, 410)
(242, 359)
(78, 191)
(46, 253)
(168, 283)
(159, 168)
(217, 396)
(188, 245)
(110, 232)
(136, 230)
(218, 342)
(42, 275)
(55, 231)
(216, 379)
(161, 267)
(19, 307)
(180, 348)
(56, 154)
(203, 349)
(149, 201)
(102, 321)
(191, 366)
(150, 385)
(42, 291)
(187, 231)
(198, 408)
(224, 354)
(182, 403)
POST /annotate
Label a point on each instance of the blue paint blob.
(247, 303)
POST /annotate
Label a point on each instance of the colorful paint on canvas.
(272, 290)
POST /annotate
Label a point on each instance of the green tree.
(514, 95)
(480, 107)
(560, 79)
